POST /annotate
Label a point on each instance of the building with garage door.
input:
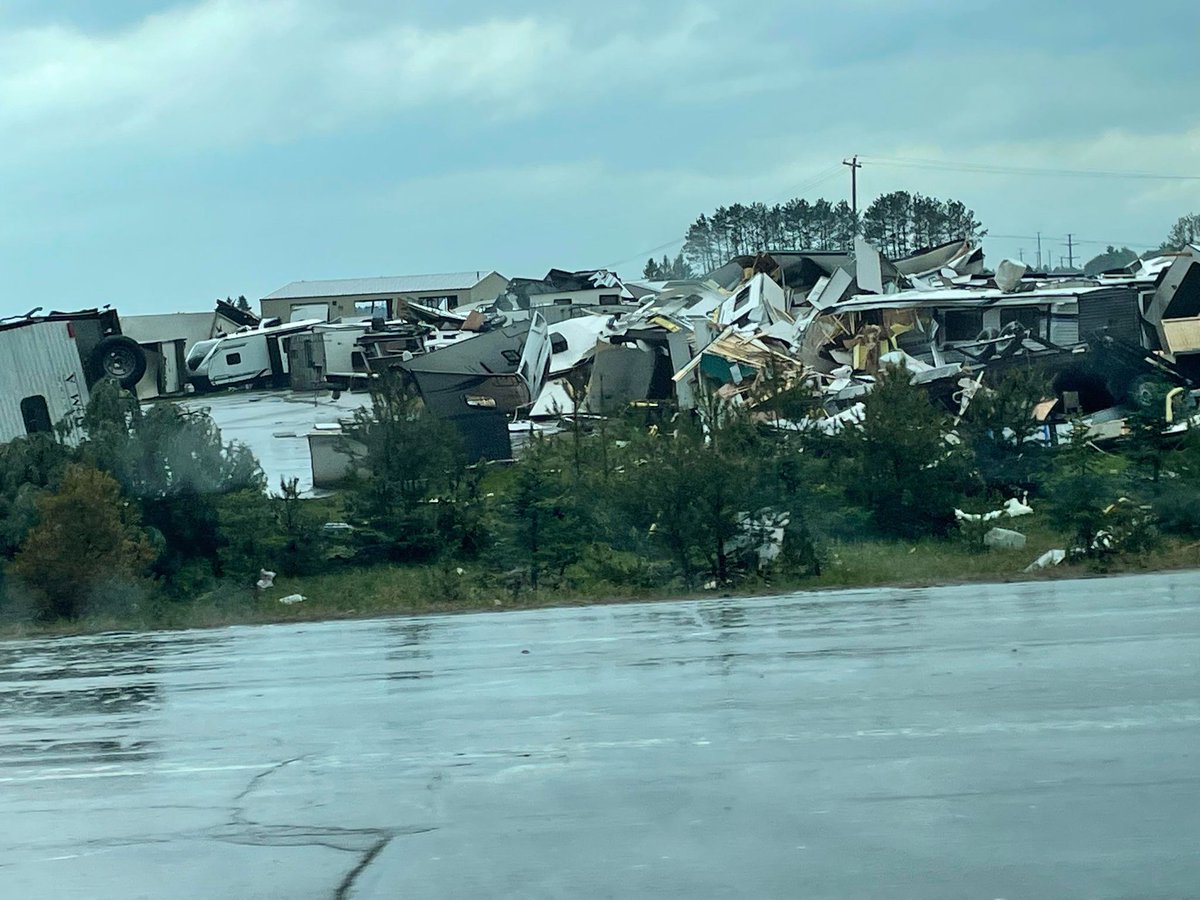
(364, 298)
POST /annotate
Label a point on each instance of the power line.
(644, 254)
(992, 169)
(1075, 240)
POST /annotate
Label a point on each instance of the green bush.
(1178, 511)
(87, 542)
(902, 468)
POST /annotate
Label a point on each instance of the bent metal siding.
(41, 359)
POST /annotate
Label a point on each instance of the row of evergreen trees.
(898, 223)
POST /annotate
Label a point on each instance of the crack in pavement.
(347, 885)
(238, 815)
(369, 842)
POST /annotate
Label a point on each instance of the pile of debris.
(764, 322)
(588, 343)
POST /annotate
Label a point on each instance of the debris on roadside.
(1046, 560)
(1004, 539)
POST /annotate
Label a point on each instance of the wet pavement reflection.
(1003, 740)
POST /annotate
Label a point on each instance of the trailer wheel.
(1144, 391)
(120, 358)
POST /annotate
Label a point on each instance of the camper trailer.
(328, 356)
(51, 363)
(252, 356)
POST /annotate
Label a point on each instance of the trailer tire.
(1143, 391)
(988, 334)
(1016, 332)
(120, 358)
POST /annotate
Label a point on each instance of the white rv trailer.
(249, 356)
(328, 356)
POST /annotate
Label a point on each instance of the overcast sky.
(156, 155)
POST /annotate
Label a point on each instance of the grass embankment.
(412, 590)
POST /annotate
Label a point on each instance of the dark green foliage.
(690, 484)
(1186, 230)
(302, 550)
(87, 539)
(1178, 510)
(250, 537)
(668, 269)
(164, 450)
(801, 555)
(173, 462)
(900, 223)
(616, 569)
(1112, 258)
(740, 229)
(544, 522)
(1077, 503)
(904, 470)
(404, 496)
(1147, 445)
(659, 492)
(29, 466)
(1080, 493)
(1001, 431)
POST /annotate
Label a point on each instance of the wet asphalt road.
(1039, 740)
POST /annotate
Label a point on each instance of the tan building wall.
(360, 305)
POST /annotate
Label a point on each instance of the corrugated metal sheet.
(40, 359)
(397, 284)
(1113, 311)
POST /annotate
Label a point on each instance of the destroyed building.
(833, 318)
(561, 294)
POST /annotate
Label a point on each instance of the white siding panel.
(1064, 324)
(40, 358)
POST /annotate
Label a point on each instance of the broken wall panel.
(621, 374)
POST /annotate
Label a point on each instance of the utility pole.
(1039, 237)
(1070, 251)
(1021, 254)
(854, 165)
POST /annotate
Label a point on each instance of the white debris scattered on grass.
(977, 517)
(266, 579)
(1004, 539)
(1013, 508)
(292, 598)
(1046, 560)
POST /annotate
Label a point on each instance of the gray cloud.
(213, 146)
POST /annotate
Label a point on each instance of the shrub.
(904, 470)
(87, 539)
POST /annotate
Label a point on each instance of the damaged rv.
(53, 361)
(477, 383)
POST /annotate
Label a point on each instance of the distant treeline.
(898, 223)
